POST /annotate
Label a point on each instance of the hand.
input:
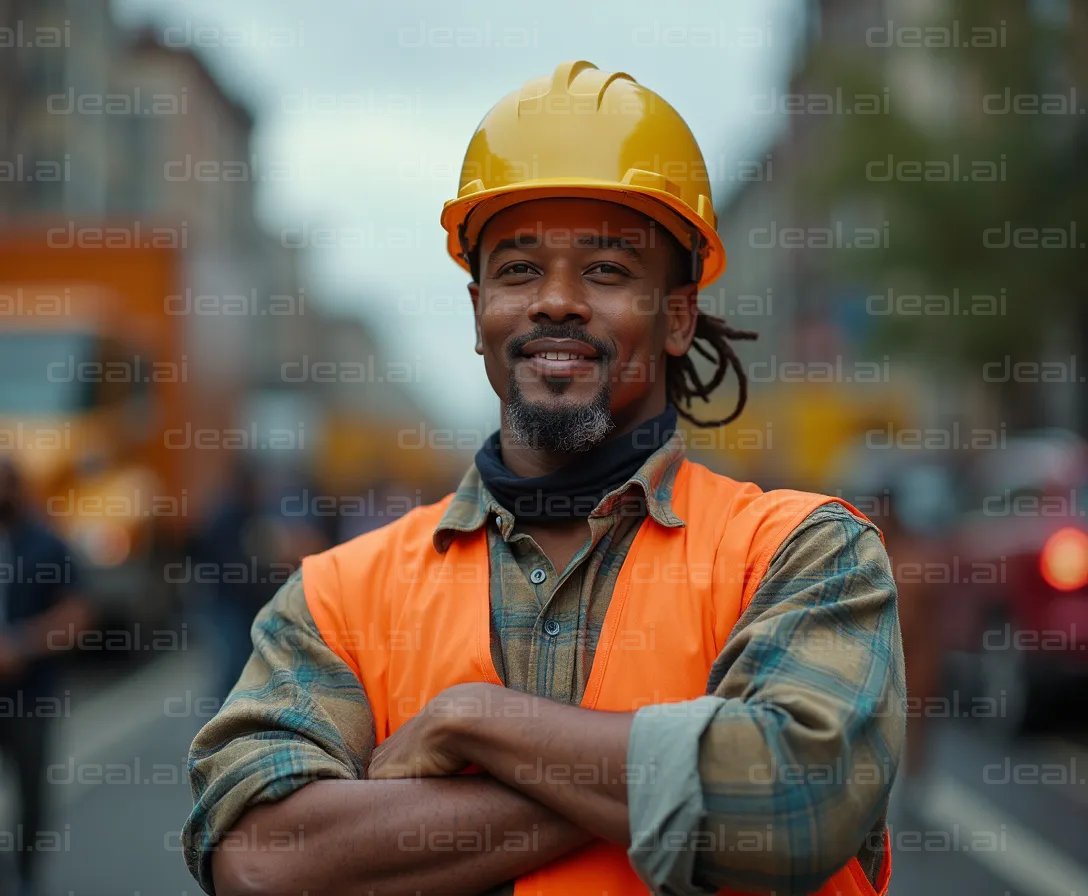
(425, 746)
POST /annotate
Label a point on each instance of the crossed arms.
(418, 826)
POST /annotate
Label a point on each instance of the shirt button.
(537, 576)
(551, 627)
(498, 522)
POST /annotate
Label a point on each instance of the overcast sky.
(365, 110)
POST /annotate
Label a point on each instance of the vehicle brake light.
(1064, 561)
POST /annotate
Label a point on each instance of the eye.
(516, 268)
(606, 269)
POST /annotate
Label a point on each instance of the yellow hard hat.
(584, 132)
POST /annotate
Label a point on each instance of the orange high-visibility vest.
(410, 622)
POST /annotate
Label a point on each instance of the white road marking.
(1027, 862)
(116, 714)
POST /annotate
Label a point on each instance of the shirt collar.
(473, 505)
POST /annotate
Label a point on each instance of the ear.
(474, 294)
(681, 317)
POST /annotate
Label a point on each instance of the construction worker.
(597, 667)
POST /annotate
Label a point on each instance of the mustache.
(557, 331)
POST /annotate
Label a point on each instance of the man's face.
(574, 318)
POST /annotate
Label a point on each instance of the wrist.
(473, 708)
(461, 724)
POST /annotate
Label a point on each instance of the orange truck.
(96, 371)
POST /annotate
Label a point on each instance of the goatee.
(558, 430)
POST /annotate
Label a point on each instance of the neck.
(526, 461)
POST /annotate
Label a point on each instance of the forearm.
(571, 759)
(451, 835)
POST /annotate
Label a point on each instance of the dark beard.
(558, 430)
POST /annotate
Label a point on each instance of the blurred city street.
(235, 332)
(999, 819)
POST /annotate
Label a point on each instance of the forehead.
(576, 219)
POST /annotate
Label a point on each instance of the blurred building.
(193, 164)
(44, 62)
(127, 186)
(142, 134)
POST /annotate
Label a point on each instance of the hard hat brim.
(471, 212)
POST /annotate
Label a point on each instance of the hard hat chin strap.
(698, 243)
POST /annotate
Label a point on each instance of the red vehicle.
(990, 554)
(1019, 620)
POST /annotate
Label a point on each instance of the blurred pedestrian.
(232, 549)
(248, 549)
(919, 515)
(38, 596)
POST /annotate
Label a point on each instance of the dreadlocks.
(682, 380)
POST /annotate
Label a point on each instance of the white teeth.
(557, 356)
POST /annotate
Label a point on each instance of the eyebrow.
(585, 241)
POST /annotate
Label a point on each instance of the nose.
(560, 297)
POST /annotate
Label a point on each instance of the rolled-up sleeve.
(781, 775)
(297, 714)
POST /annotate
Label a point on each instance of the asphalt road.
(118, 787)
(998, 819)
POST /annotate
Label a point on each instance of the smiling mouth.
(563, 358)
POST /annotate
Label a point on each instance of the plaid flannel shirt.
(811, 782)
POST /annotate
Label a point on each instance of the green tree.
(1040, 162)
